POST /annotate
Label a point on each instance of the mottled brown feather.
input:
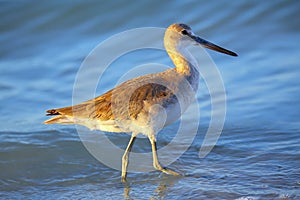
(125, 101)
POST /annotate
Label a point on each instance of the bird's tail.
(59, 119)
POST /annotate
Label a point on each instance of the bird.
(145, 104)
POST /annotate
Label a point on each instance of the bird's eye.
(184, 32)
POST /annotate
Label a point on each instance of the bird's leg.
(125, 157)
(156, 163)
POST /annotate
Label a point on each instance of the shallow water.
(257, 156)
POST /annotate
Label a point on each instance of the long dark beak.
(212, 46)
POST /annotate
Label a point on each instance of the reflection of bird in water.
(147, 103)
(159, 193)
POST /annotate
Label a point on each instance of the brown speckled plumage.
(150, 88)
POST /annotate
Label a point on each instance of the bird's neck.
(183, 60)
(185, 65)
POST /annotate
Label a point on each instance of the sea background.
(43, 44)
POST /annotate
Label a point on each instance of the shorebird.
(137, 105)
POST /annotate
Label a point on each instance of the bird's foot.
(123, 180)
(167, 171)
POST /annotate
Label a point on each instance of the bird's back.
(129, 102)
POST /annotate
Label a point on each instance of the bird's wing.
(123, 102)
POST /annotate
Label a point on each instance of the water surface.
(257, 156)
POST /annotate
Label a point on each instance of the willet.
(136, 106)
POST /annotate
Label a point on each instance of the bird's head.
(181, 35)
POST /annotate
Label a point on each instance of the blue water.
(258, 154)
